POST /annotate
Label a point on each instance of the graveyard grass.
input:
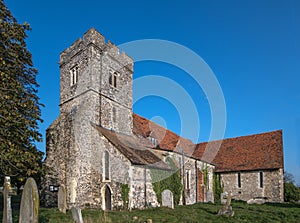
(268, 212)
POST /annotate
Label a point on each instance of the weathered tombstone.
(224, 197)
(76, 214)
(7, 212)
(209, 196)
(257, 200)
(62, 199)
(29, 207)
(226, 208)
(167, 199)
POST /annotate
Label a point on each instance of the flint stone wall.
(81, 170)
(250, 185)
(141, 193)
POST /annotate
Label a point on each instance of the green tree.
(288, 177)
(291, 191)
(19, 104)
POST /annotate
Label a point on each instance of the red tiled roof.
(166, 139)
(253, 152)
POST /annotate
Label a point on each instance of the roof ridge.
(217, 140)
(243, 136)
(180, 137)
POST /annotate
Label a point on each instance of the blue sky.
(252, 47)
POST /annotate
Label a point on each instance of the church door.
(107, 198)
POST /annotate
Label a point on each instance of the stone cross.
(228, 201)
(226, 208)
(62, 199)
(167, 199)
(29, 207)
(76, 214)
(7, 212)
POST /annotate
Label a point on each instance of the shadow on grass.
(43, 219)
(284, 205)
(209, 208)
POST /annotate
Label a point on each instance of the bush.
(291, 192)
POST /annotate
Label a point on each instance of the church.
(106, 156)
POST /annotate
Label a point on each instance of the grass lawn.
(288, 213)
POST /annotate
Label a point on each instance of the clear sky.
(252, 47)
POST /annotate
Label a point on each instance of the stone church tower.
(96, 80)
(95, 89)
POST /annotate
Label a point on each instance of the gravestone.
(257, 200)
(7, 212)
(224, 197)
(62, 199)
(167, 199)
(226, 209)
(29, 207)
(209, 196)
(76, 214)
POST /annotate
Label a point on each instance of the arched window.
(113, 75)
(74, 75)
(106, 165)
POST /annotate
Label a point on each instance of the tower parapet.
(92, 36)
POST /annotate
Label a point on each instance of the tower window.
(113, 76)
(261, 179)
(239, 180)
(74, 75)
(106, 165)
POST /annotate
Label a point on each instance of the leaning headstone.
(62, 199)
(226, 209)
(167, 199)
(76, 214)
(29, 207)
(7, 212)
